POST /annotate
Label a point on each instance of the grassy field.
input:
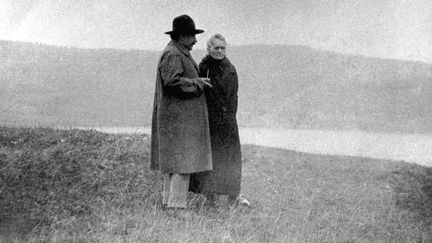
(87, 186)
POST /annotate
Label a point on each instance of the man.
(180, 138)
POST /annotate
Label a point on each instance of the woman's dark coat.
(221, 99)
(180, 137)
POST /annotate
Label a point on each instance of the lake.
(413, 148)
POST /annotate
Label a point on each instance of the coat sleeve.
(233, 96)
(201, 70)
(172, 72)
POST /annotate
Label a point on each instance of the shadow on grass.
(413, 190)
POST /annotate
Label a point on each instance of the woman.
(225, 178)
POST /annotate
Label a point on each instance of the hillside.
(280, 86)
(69, 86)
(86, 186)
(299, 87)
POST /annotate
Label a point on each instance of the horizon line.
(235, 45)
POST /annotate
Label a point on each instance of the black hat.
(184, 24)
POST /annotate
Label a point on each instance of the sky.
(399, 29)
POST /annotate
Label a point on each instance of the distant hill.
(280, 86)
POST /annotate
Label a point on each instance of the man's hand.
(204, 81)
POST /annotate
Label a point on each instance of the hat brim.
(197, 31)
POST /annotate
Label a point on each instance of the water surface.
(414, 148)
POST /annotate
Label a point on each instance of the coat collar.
(180, 47)
(185, 51)
(208, 60)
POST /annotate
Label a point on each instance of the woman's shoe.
(241, 201)
(238, 201)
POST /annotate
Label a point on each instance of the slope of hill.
(86, 186)
(69, 86)
(280, 86)
(299, 87)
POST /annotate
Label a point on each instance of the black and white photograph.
(216, 121)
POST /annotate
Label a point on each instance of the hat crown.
(184, 24)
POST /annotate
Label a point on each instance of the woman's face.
(217, 50)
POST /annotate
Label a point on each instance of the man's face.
(217, 50)
(187, 41)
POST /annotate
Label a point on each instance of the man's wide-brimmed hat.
(184, 24)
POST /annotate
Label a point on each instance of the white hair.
(217, 36)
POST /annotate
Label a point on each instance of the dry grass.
(85, 186)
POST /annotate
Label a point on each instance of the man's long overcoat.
(180, 138)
